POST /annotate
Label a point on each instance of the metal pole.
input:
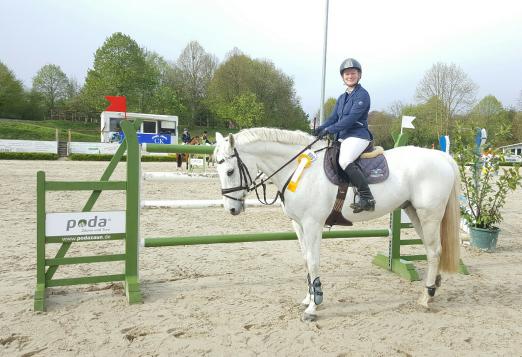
(257, 237)
(321, 107)
(174, 148)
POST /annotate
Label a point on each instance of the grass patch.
(46, 130)
(15, 129)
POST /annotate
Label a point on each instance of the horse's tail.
(449, 227)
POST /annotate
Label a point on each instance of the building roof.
(510, 146)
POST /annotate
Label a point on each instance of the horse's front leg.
(299, 231)
(312, 234)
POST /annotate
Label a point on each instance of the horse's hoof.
(309, 317)
(425, 301)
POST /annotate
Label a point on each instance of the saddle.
(374, 166)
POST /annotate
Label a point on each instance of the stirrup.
(363, 205)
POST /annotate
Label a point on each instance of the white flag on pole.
(407, 122)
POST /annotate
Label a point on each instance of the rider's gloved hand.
(321, 133)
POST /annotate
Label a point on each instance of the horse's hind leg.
(415, 221)
(430, 224)
(299, 231)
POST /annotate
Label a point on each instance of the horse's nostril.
(232, 210)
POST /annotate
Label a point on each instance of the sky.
(397, 42)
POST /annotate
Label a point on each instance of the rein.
(252, 185)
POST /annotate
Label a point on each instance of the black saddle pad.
(375, 169)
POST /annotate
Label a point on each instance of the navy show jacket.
(349, 117)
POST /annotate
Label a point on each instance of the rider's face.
(351, 76)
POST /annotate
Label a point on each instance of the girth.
(336, 217)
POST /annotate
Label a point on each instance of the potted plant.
(485, 187)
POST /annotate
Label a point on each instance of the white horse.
(424, 182)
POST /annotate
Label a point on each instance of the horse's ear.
(231, 140)
(219, 137)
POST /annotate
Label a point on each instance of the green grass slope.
(46, 130)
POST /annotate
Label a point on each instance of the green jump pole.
(182, 149)
(257, 237)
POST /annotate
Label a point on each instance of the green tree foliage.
(383, 125)
(12, 97)
(163, 97)
(52, 84)
(516, 127)
(490, 114)
(120, 68)
(246, 110)
(239, 74)
(426, 132)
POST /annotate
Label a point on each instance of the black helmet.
(350, 63)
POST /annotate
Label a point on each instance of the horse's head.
(233, 174)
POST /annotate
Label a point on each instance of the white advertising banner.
(28, 146)
(74, 224)
(92, 148)
(196, 162)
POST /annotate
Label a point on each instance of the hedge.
(27, 156)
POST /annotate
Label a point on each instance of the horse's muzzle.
(235, 211)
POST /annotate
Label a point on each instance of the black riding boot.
(366, 200)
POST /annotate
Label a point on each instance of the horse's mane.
(297, 137)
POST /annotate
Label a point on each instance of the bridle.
(248, 184)
(245, 180)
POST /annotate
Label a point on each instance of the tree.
(12, 99)
(516, 128)
(395, 109)
(165, 101)
(454, 90)
(163, 97)
(426, 134)
(195, 68)
(488, 107)
(245, 110)
(73, 89)
(239, 74)
(52, 84)
(490, 114)
(329, 105)
(120, 68)
(381, 124)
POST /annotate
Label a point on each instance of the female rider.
(349, 123)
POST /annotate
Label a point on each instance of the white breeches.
(351, 149)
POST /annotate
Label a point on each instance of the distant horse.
(424, 182)
(185, 157)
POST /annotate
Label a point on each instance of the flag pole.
(325, 43)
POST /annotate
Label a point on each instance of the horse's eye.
(230, 172)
